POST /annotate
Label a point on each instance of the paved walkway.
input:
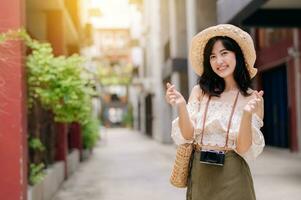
(127, 165)
(277, 175)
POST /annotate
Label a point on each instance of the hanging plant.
(10, 35)
(58, 83)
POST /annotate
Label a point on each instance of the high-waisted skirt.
(233, 181)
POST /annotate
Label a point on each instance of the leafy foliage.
(115, 75)
(36, 144)
(90, 133)
(59, 83)
(10, 35)
(128, 117)
(2, 38)
(36, 173)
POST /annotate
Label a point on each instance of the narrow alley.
(127, 165)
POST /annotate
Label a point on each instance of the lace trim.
(216, 124)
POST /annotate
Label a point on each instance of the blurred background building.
(167, 31)
(276, 32)
(58, 22)
(146, 45)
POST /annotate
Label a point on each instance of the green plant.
(90, 132)
(2, 38)
(128, 117)
(36, 173)
(60, 84)
(115, 75)
(10, 35)
(36, 144)
(57, 83)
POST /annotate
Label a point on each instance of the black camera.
(212, 157)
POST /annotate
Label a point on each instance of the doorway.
(149, 115)
(276, 129)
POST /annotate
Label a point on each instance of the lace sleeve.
(192, 108)
(257, 139)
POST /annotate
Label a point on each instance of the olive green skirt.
(231, 181)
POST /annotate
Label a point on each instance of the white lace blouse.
(216, 125)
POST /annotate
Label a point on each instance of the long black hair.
(214, 85)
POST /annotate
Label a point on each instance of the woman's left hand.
(254, 104)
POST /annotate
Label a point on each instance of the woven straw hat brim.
(243, 39)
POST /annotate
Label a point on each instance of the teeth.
(221, 68)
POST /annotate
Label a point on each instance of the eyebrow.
(220, 51)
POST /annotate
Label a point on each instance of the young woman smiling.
(223, 115)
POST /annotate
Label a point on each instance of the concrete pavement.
(277, 175)
(127, 165)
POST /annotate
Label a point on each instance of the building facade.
(273, 24)
(168, 28)
(276, 32)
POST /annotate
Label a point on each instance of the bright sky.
(115, 14)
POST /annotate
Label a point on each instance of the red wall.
(13, 143)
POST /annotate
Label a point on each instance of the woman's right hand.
(173, 97)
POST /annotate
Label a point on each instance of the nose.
(219, 60)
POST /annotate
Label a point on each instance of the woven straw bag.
(181, 167)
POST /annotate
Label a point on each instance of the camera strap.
(229, 123)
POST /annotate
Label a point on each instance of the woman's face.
(222, 61)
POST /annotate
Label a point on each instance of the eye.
(225, 53)
(212, 57)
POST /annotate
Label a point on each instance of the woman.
(223, 116)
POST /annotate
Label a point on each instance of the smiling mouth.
(221, 68)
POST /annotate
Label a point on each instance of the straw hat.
(243, 39)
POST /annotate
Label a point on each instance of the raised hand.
(172, 96)
(254, 104)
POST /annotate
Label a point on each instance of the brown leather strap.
(230, 120)
(204, 118)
